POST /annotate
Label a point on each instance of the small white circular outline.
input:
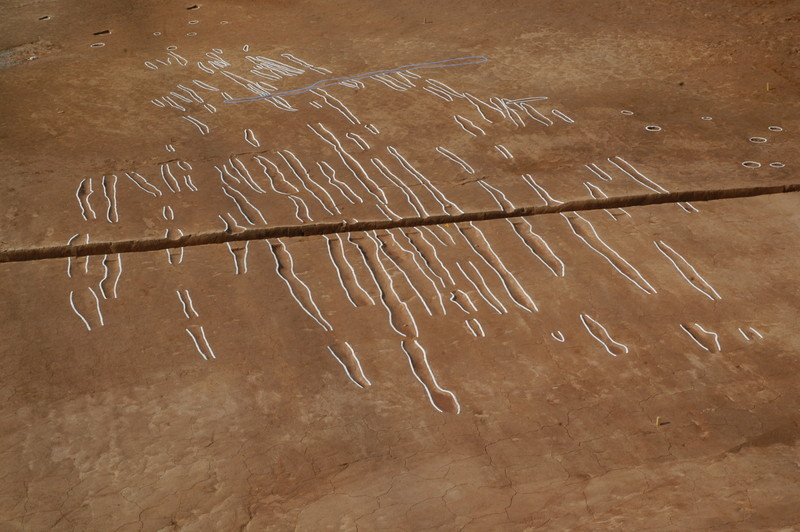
(171, 48)
(758, 140)
(775, 128)
(224, 22)
(97, 45)
(751, 164)
(191, 34)
(157, 33)
(626, 112)
(777, 164)
(194, 22)
(652, 128)
(706, 118)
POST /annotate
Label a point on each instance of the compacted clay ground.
(596, 368)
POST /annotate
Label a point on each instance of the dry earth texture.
(339, 265)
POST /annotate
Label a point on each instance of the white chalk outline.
(715, 335)
(436, 256)
(78, 197)
(119, 275)
(608, 259)
(97, 302)
(456, 159)
(533, 251)
(336, 183)
(250, 138)
(562, 116)
(430, 372)
(480, 327)
(491, 190)
(338, 271)
(658, 189)
(424, 181)
(605, 346)
(469, 326)
(694, 271)
(321, 321)
(196, 345)
(478, 290)
(499, 272)
(72, 304)
(455, 301)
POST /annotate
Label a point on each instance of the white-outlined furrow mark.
(330, 174)
(599, 172)
(385, 249)
(141, 182)
(540, 190)
(441, 399)
(641, 179)
(426, 263)
(538, 247)
(456, 159)
(251, 139)
(196, 342)
(478, 289)
(506, 204)
(351, 164)
(352, 366)
(202, 127)
(468, 125)
(437, 194)
(239, 257)
(687, 271)
(415, 204)
(284, 262)
(347, 276)
(599, 333)
(75, 310)
(483, 249)
(83, 198)
(504, 151)
(260, 159)
(562, 116)
(597, 193)
(244, 174)
(583, 229)
(308, 177)
(421, 265)
(389, 299)
(336, 104)
(708, 340)
(166, 171)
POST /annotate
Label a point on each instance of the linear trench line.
(289, 231)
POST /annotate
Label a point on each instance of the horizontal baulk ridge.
(288, 231)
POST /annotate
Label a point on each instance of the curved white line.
(72, 304)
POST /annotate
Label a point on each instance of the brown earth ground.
(631, 370)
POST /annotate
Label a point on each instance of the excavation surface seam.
(289, 231)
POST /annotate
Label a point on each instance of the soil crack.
(329, 228)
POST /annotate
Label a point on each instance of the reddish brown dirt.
(626, 370)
